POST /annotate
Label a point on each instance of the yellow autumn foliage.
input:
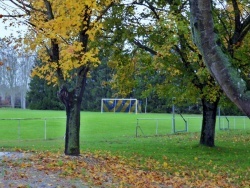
(63, 26)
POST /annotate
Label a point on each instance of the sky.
(5, 28)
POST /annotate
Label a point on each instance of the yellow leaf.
(165, 164)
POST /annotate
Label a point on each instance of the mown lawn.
(179, 154)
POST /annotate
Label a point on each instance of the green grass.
(116, 133)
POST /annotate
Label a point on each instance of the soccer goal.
(120, 105)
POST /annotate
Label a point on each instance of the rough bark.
(72, 137)
(217, 61)
(208, 122)
(72, 101)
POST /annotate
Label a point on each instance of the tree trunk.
(72, 137)
(208, 122)
(23, 99)
(72, 103)
(12, 99)
(218, 61)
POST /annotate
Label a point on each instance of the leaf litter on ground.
(102, 169)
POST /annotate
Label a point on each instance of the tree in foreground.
(162, 53)
(62, 32)
(233, 79)
(162, 56)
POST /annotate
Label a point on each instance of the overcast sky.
(5, 28)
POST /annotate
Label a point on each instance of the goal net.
(120, 105)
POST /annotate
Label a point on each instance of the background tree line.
(42, 96)
(15, 67)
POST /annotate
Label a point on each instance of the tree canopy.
(62, 33)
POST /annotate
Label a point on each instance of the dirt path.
(15, 172)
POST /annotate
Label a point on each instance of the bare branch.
(104, 11)
(140, 45)
(12, 16)
(237, 21)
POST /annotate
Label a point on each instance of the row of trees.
(148, 46)
(161, 44)
(15, 71)
(43, 96)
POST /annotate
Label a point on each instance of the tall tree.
(218, 60)
(15, 73)
(161, 48)
(62, 31)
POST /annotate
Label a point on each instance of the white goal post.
(120, 105)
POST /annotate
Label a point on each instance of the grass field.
(115, 133)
